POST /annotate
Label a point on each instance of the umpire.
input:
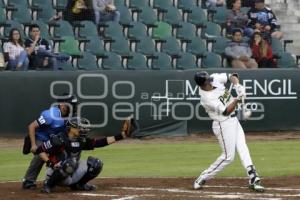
(50, 122)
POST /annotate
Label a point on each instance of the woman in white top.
(15, 53)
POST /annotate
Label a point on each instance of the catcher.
(62, 155)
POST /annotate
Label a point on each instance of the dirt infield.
(161, 188)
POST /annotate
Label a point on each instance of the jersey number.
(41, 120)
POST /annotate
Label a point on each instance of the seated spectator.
(237, 19)
(79, 10)
(39, 51)
(105, 10)
(239, 52)
(215, 3)
(262, 51)
(14, 52)
(264, 20)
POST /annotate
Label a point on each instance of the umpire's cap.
(201, 78)
(80, 123)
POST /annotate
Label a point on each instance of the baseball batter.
(220, 106)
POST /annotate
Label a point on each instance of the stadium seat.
(185, 31)
(172, 16)
(186, 5)
(161, 30)
(43, 29)
(112, 61)
(20, 3)
(95, 46)
(186, 61)
(87, 29)
(120, 46)
(146, 46)
(137, 30)
(113, 30)
(219, 44)
(63, 28)
(147, 16)
(161, 61)
(61, 5)
(119, 3)
(286, 60)
(162, 6)
(125, 15)
(88, 62)
(245, 9)
(137, 61)
(197, 16)
(21, 15)
(220, 15)
(277, 46)
(2, 16)
(9, 24)
(138, 4)
(41, 4)
(210, 30)
(44, 13)
(211, 60)
(66, 66)
(171, 46)
(70, 46)
(2, 4)
(196, 46)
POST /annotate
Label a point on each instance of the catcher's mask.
(82, 124)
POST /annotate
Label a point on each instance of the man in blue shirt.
(50, 122)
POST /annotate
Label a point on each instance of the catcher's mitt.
(130, 127)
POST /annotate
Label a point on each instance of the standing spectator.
(237, 19)
(105, 10)
(14, 52)
(78, 10)
(239, 52)
(263, 19)
(262, 51)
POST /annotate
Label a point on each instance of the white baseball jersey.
(215, 101)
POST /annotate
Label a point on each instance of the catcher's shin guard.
(53, 180)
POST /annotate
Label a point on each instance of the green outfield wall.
(164, 102)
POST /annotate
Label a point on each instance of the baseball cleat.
(257, 187)
(198, 185)
(28, 184)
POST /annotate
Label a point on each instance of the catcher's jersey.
(216, 100)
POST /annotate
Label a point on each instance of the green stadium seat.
(113, 30)
(44, 13)
(277, 46)
(161, 61)
(196, 46)
(197, 16)
(87, 29)
(61, 5)
(161, 30)
(120, 46)
(211, 60)
(66, 66)
(171, 46)
(9, 24)
(119, 3)
(2, 16)
(220, 15)
(286, 60)
(186, 31)
(162, 6)
(21, 15)
(44, 30)
(137, 30)
(2, 4)
(137, 61)
(186, 61)
(19, 3)
(146, 46)
(70, 46)
(112, 61)
(138, 4)
(187, 5)
(41, 4)
(219, 44)
(88, 62)
(210, 30)
(95, 46)
(125, 15)
(63, 28)
(172, 16)
(147, 16)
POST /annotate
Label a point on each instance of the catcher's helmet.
(202, 77)
(82, 124)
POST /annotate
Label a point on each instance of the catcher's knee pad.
(94, 166)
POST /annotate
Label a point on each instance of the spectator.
(262, 51)
(78, 10)
(237, 19)
(239, 52)
(263, 19)
(14, 52)
(105, 10)
(39, 51)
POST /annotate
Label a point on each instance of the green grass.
(188, 159)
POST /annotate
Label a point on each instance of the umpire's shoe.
(28, 184)
(84, 187)
(198, 184)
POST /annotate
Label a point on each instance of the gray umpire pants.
(75, 177)
(35, 166)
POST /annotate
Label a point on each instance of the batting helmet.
(202, 77)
